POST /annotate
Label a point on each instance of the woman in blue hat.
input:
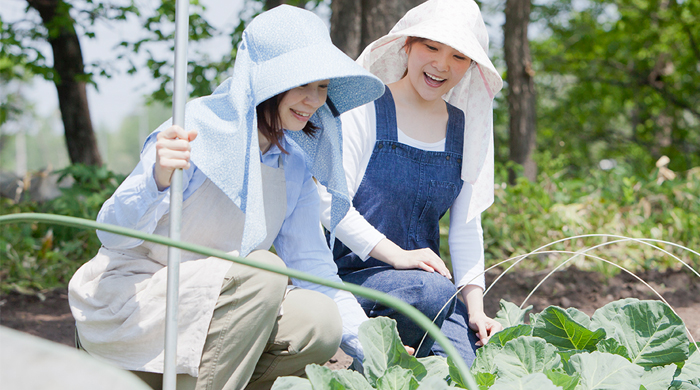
(248, 151)
(424, 148)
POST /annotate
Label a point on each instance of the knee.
(323, 326)
(434, 291)
(273, 284)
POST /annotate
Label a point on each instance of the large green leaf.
(351, 380)
(579, 316)
(383, 349)
(484, 379)
(433, 383)
(291, 383)
(567, 354)
(562, 379)
(613, 346)
(397, 378)
(456, 375)
(658, 378)
(322, 378)
(557, 326)
(652, 333)
(507, 334)
(603, 317)
(526, 355)
(485, 360)
(606, 371)
(680, 385)
(691, 370)
(537, 381)
(510, 314)
(436, 366)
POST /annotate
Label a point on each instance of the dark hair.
(409, 42)
(269, 121)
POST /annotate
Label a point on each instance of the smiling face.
(434, 68)
(298, 104)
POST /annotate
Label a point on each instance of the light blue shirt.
(138, 204)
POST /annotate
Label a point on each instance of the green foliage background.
(525, 216)
(34, 257)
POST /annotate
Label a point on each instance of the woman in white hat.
(248, 152)
(423, 148)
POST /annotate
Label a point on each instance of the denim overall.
(403, 194)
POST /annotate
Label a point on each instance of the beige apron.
(118, 297)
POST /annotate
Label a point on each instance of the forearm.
(386, 251)
(473, 297)
(137, 204)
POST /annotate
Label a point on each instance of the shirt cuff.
(150, 188)
(352, 347)
(373, 240)
(473, 279)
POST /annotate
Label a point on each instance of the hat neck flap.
(281, 49)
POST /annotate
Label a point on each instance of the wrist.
(162, 179)
(386, 251)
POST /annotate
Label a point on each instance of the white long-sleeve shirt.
(465, 237)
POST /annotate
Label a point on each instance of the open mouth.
(300, 115)
(433, 80)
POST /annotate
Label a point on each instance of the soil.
(50, 316)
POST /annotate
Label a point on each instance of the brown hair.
(411, 40)
(269, 121)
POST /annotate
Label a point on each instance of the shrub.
(528, 215)
(36, 258)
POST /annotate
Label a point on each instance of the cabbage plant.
(626, 344)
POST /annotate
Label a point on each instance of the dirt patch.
(589, 291)
(51, 318)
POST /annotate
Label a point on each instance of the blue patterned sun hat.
(280, 49)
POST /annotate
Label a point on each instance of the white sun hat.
(457, 23)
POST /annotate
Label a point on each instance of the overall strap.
(386, 117)
(454, 141)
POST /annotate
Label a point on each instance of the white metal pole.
(179, 100)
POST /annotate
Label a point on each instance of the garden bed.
(50, 318)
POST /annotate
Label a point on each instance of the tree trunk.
(270, 4)
(70, 80)
(357, 23)
(521, 87)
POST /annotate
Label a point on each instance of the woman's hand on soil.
(172, 152)
(484, 326)
(399, 258)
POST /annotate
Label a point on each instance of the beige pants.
(249, 345)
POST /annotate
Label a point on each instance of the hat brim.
(350, 84)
